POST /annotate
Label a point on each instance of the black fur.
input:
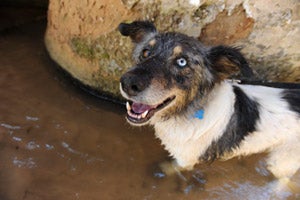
(136, 30)
(136, 80)
(234, 56)
(241, 124)
(272, 84)
(139, 77)
(293, 98)
(291, 93)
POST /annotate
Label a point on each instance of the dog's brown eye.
(146, 53)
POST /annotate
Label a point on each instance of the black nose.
(133, 84)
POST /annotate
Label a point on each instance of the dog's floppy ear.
(228, 62)
(137, 30)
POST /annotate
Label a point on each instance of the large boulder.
(82, 35)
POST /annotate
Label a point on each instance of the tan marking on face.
(159, 83)
(177, 105)
(177, 50)
(152, 42)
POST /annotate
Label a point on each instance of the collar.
(199, 114)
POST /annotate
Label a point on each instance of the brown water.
(57, 142)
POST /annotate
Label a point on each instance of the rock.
(82, 37)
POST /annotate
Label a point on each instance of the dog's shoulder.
(292, 96)
(281, 85)
(289, 92)
(254, 102)
(241, 123)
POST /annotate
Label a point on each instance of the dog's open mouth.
(139, 113)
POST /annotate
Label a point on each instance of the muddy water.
(57, 142)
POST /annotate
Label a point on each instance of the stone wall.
(82, 37)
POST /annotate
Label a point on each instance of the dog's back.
(277, 128)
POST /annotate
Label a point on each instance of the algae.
(112, 55)
(82, 47)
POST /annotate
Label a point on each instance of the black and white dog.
(185, 91)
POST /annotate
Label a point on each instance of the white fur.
(278, 130)
(188, 138)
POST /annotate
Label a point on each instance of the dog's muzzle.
(139, 113)
(133, 84)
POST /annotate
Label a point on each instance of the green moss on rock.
(112, 55)
(82, 47)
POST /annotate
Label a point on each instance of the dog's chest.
(187, 140)
(180, 141)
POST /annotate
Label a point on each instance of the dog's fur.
(175, 76)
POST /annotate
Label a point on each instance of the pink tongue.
(140, 108)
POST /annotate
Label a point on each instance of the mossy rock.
(82, 36)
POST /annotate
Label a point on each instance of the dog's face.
(171, 71)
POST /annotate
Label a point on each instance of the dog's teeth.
(145, 113)
(137, 116)
(128, 107)
(133, 115)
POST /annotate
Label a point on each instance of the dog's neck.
(211, 106)
(199, 114)
(177, 130)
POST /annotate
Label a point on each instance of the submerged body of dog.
(183, 89)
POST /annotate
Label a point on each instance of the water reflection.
(25, 163)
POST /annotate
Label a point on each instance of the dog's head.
(171, 71)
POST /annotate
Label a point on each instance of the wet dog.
(185, 90)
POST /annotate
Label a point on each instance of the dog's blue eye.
(181, 62)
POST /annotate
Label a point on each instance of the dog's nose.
(132, 84)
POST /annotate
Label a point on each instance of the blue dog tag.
(199, 114)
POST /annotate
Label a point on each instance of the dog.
(200, 112)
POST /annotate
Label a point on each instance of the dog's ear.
(228, 62)
(137, 30)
